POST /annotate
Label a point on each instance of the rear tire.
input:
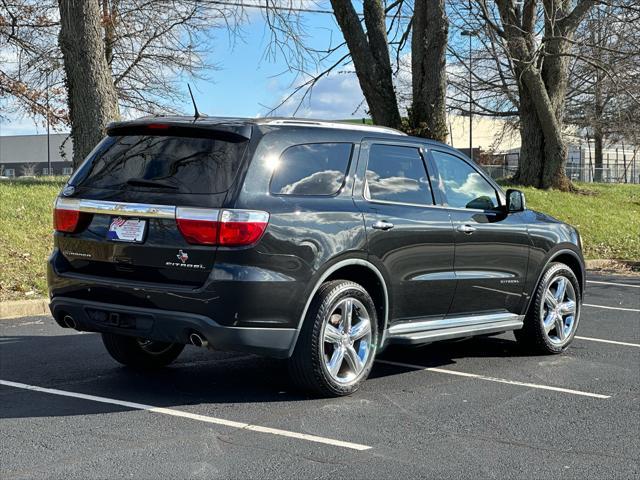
(337, 344)
(554, 313)
(139, 352)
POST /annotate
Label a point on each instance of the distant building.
(22, 155)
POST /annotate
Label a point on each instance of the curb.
(24, 308)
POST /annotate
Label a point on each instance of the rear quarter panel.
(306, 234)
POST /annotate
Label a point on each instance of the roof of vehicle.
(239, 125)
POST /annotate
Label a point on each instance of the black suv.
(314, 241)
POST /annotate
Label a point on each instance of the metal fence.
(629, 173)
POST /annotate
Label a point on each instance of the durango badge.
(183, 257)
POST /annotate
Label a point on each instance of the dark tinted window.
(397, 174)
(311, 169)
(462, 184)
(172, 163)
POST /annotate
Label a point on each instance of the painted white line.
(192, 416)
(613, 283)
(611, 308)
(493, 379)
(614, 342)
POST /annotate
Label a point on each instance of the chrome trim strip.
(129, 209)
(458, 332)
(407, 328)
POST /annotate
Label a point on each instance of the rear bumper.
(171, 326)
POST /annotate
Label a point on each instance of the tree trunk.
(531, 145)
(542, 83)
(598, 162)
(92, 98)
(370, 55)
(428, 117)
(598, 134)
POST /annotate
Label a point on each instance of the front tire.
(552, 319)
(139, 352)
(336, 347)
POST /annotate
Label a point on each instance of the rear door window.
(311, 169)
(397, 174)
(179, 164)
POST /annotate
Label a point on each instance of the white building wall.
(26, 149)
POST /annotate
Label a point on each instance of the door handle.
(468, 229)
(382, 225)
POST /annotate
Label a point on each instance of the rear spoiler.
(234, 133)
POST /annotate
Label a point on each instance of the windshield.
(173, 163)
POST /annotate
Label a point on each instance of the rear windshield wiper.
(141, 182)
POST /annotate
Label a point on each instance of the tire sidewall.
(325, 306)
(553, 271)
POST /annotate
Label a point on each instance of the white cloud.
(336, 96)
(19, 125)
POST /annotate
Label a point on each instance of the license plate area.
(130, 230)
(140, 322)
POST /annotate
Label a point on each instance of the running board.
(456, 327)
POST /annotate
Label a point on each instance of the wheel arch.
(359, 271)
(571, 259)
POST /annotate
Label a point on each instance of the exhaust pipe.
(69, 322)
(197, 340)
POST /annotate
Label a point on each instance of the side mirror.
(515, 201)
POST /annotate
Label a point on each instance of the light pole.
(48, 132)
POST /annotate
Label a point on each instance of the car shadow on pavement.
(78, 363)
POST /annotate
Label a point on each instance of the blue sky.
(246, 79)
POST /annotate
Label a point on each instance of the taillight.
(229, 228)
(198, 225)
(66, 215)
(241, 227)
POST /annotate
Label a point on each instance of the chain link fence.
(619, 165)
(611, 174)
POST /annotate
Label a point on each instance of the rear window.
(170, 163)
(311, 169)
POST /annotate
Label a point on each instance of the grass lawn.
(25, 235)
(608, 219)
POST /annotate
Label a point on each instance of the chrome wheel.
(559, 310)
(154, 348)
(346, 340)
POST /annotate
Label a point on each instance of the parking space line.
(613, 283)
(192, 416)
(614, 342)
(611, 308)
(494, 379)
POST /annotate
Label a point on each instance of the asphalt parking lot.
(475, 409)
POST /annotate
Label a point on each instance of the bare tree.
(579, 75)
(28, 33)
(370, 53)
(427, 115)
(541, 68)
(93, 101)
(604, 93)
(149, 46)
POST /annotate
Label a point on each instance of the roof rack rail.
(328, 124)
